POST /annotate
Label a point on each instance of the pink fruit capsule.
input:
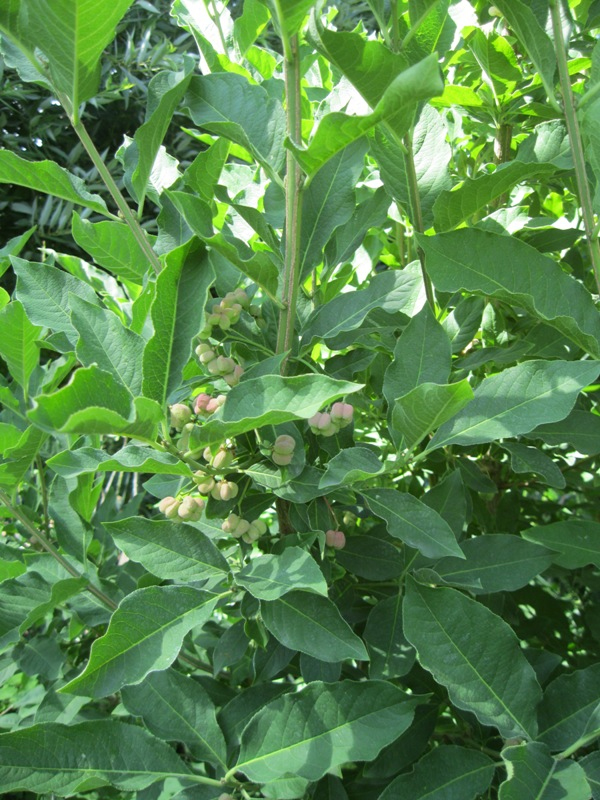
(336, 539)
(284, 445)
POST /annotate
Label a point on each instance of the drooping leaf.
(396, 108)
(487, 674)
(311, 732)
(518, 275)
(272, 576)
(371, 557)
(17, 344)
(144, 635)
(228, 105)
(447, 771)
(421, 355)
(95, 402)
(113, 246)
(534, 773)
(312, 624)
(530, 459)
(413, 522)
(177, 315)
(391, 654)
(44, 292)
(581, 429)
(575, 541)
(570, 709)
(591, 765)
(62, 759)
(516, 400)
(390, 291)
(106, 342)
(175, 707)
(427, 407)
(293, 13)
(133, 458)
(250, 24)
(71, 37)
(48, 178)
(496, 562)
(168, 549)
(271, 400)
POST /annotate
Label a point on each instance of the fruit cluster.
(283, 450)
(189, 509)
(242, 529)
(219, 366)
(325, 423)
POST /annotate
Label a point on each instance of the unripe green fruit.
(336, 539)
(213, 367)
(225, 365)
(284, 445)
(231, 523)
(184, 439)
(207, 486)
(190, 509)
(234, 377)
(241, 528)
(207, 356)
(224, 322)
(281, 460)
(255, 311)
(241, 297)
(169, 506)
(222, 459)
(180, 415)
(202, 348)
(228, 490)
(207, 454)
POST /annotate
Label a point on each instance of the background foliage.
(355, 248)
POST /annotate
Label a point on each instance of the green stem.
(116, 194)
(41, 539)
(583, 186)
(217, 20)
(417, 220)
(395, 32)
(293, 201)
(44, 492)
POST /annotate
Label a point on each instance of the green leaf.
(95, 402)
(106, 342)
(591, 765)
(368, 64)
(349, 466)
(176, 708)
(396, 108)
(259, 267)
(581, 429)
(391, 654)
(422, 355)
(371, 557)
(496, 563)
(113, 246)
(449, 499)
(247, 27)
(328, 202)
(413, 522)
(71, 37)
(312, 624)
(133, 458)
(271, 400)
(474, 194)
(18, 343)
(519, 275)
(144, 635)
(21, 456)
(396, 290)
(576, 541)
(570, 709)
(325, 725)
(44, 292)
(530, 459)
(165, 92)
(487, 674)
(534, 773)
(444, 773)
(177, 315)
(293, 13)
(427, 407)
(496, 58)
(269, 577)
(63, 759)
(49, 178)
(168, 549)
(431, 156)
(516, 400)
(539, 47)
(228, 105)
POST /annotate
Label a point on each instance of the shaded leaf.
(272, 576)
(349, 466)
(570, 709)
(530, 459)
(534, 773)
(427, 407)
(392, 656)
(113, 246)
(576, 541)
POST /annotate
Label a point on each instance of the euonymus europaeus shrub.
(298, 487)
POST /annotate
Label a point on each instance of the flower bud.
(180, 414)
(169, 507)
(284, 445)
(336, 539)
(190, 509)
